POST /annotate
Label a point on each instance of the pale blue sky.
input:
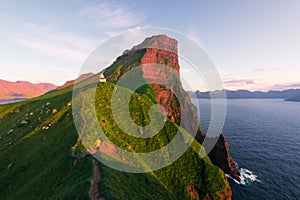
(255, 44)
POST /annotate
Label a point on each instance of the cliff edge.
(163, 50)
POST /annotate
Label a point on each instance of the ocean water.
(264, 140)
(10, 101)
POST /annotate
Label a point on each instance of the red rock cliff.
(220, 156)
(163, 50)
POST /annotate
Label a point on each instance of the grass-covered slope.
(41, 153)
(36, 163)
(188, 170)
(36, 160)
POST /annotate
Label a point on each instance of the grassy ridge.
(187, 170)
(41, 166)
(37, 163)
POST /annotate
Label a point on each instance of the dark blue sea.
(264, 140)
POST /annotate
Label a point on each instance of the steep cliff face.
(162, 50)
(220, 156)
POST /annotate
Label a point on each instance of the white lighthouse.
(102, 78)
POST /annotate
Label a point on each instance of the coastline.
(7, 101)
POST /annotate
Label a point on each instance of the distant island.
(287, 95)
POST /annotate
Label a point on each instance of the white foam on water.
(246, 173)
(246, 176)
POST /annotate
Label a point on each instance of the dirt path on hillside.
(94, 191)
(82, 116)
(105, 146)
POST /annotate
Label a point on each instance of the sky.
(254, 45)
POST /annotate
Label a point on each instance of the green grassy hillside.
(37, 162)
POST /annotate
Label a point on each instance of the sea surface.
(264, 140)
(10, 101)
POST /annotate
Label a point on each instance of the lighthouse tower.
(102, 78)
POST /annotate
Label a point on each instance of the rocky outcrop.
(164, 96)
(220, 156)
(158, 42)
(193, 191)
(162, 51)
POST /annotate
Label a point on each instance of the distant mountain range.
(289, 95)
(26, 90)
(23, 89)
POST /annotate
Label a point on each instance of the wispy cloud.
(284, 86)
(258, 85)
(248, 84)
(59, 45)
(239, 82)
(55, 43)
(56, 50)
(112, 15)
